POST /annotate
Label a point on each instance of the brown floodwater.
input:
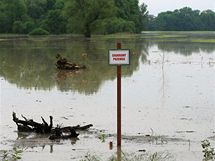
(168, 96)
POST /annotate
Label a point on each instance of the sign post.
(119, 57)
(119, 75)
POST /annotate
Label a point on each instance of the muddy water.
(168, 96)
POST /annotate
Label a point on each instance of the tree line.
(71, 16)
(26, 16)
(95, 17)
(184, 19)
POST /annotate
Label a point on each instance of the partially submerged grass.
(203, 40)
(187, 40)
(169, 36)
(13, 155)
(157, 156)
(181, 36)
(208, 151)
(119, 36)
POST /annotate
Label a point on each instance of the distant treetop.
(184, 19)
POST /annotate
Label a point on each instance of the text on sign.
(118, 57)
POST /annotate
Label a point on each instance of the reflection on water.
(30, 62)
(186, 48)
(31, 140)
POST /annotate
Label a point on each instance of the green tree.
(4, 23)
(208, 20)
(11, 11)
(18, 27)
(105, 17)
(29, 26)
(36, 8)
(56, 22)
(144, 16)
(75, 16)
(83, 15)
(59, 4)
(50, 4)
(130, 11)
(184, 19)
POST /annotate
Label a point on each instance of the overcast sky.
(157, 6)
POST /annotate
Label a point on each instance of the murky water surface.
(168, 95)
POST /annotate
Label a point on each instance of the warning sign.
(119, 57)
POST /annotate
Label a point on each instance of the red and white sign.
(119, 57)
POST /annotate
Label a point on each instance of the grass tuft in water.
(14, 155)
(208, 151)
(157, 156)
(102, 137)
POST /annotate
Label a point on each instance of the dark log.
(84, 127)
(22, 128)
(44, 122)
(26, 122)
(24, 118)
(32, 126)
(69, 128)
(29, 125)
(51, 123)
(59, 134)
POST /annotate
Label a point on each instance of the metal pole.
(119, 101)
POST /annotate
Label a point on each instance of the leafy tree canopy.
(96, 17)
(184, 19)
(103, 17)
(71, 16)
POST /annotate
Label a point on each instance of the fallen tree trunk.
(78, 128)
(29, 125)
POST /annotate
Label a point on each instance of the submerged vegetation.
(208, 151)
(181, 36)
(157, 156)
(14, 155)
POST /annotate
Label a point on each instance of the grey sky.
(157, 6)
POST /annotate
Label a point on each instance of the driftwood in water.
(67, 132)
(60, 134)
(78, 127)
(64, 64)
(29, 125)
(69, 66)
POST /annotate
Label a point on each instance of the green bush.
(39, 31)
(29, 26)
(18, 27)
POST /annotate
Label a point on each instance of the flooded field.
(168, 94)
